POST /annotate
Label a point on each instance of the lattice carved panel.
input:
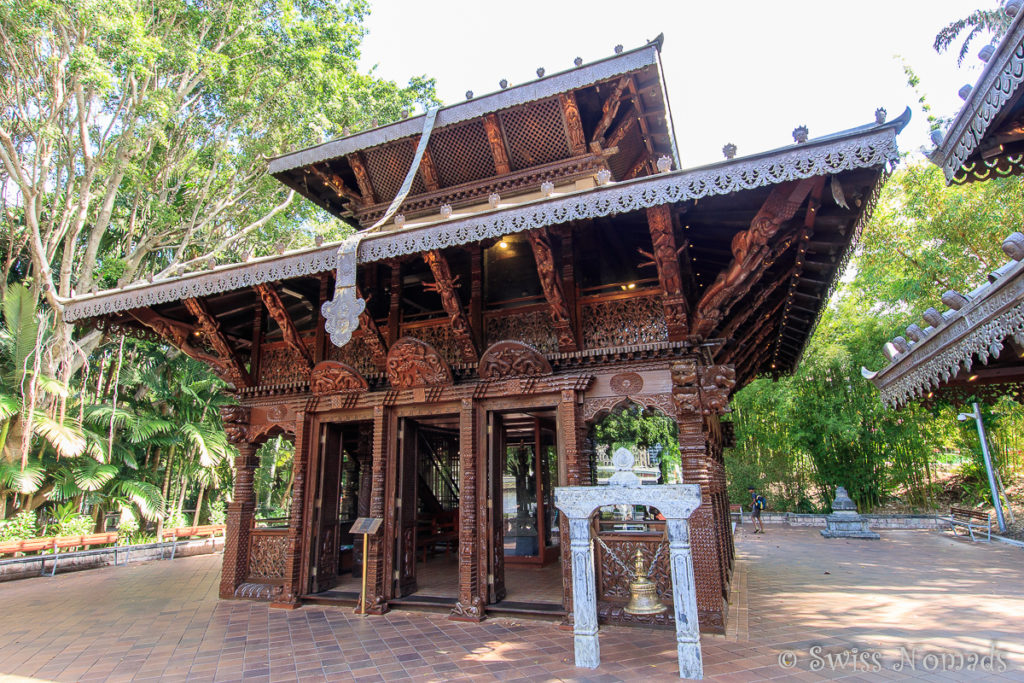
(267, 554)
(533, 328)
(282, 365)
(462, 154)
(535, 134)
(388, 166)
(356, 353)
(624, 322)
(441, 338)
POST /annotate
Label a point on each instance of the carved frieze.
(624, 322)
(332, 377)
(236, 423)
(512, 359)
(702, 388)
(533, 328)
(412, 363)
(627, 383)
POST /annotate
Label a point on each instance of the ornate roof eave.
(865, 147)
(548, 86)
(997, 84)
(993, 313)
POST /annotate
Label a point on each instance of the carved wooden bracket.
(493, 128)
(749, 250)
(332, 377)
(609, 109)
(444, 284)
(700, 388)
(236, 424)
(334, 182)
(665, 257)
(413, 363)
(272, 300)
(512, 359)
(372, 336)
(362, 178)
(236, 371)
(551, 283)
(428, 172)
(573, 123)
(178, 335)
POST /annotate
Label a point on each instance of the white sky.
(744, 71)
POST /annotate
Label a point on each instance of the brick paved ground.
(793, 590)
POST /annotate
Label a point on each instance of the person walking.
(757, 503)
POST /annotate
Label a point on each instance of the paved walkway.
(933, 596)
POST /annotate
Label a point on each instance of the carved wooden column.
(306, 445)
(701, 392)
(471, 598)
(376, 571)
(572, 429)
(242, 509)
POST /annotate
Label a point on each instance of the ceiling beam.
(272, 300)
(444, 284)
(609, 109)
(208, 325)
(554, 293)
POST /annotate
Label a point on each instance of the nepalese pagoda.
(530, 261)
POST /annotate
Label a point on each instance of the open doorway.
(525, 466)
(427, 499)
(341, 475)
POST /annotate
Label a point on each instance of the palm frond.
(10, 405)
(66, 439)
(91, 475)
(146, 496)
(25, 479)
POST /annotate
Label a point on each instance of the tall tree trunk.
(181, 495)
(199, 505)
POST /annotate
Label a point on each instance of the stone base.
(847, 525)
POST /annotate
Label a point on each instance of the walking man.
(757, 503)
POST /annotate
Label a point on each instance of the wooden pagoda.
(547, 266)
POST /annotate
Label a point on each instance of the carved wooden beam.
(638, 165)
(178, 335)
(615, 137)
(665, 257)
(638, 104)
(749, 250)
(272, 300)
(762, 296)
(429, 172)
(573, 124)
(362, 178)
(755, 337)
(372, 336)
(493, 128)
(335, 184)
(609, 109)
(551, 283)
(444, 284)
(209, 327)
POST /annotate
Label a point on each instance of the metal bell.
(643, 596)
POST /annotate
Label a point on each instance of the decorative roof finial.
(664, 163)
(604, 176)
(1012, 7)
(540, 72)
(493, 200)
(1013, 246)
(937, 137)
(618, 49)
(547, 188)
(446, 211)
(469, 94)
(346, 131)
(729, 150)
(405, 113)
(880, 115)
(800, 134)
(578, 61)
(965, 91)
(399, 219)
(985, 53)
(503, 83)
(319, 240)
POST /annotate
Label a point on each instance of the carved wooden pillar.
(701, 393)
(376, 569)
(306, 445)
(471, 597)
(242, 509)
(573, 433)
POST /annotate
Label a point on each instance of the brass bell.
(643, 596)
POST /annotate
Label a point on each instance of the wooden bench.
(736, 512)
(210, 531)
(972, 519)
(56, 544)
(439, 532)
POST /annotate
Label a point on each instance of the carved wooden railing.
(614, 557)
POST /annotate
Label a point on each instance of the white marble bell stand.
(676, 503)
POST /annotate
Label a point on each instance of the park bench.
(210, 531)
(56, 544)
(736, 512)
(972, 519)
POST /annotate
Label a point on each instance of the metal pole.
(362, 595)
(988, 468)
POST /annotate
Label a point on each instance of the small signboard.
(367, 525)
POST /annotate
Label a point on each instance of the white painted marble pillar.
(684, 600)
(584, 594)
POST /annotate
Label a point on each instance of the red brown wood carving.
(335, 184)
(272, 300)
(665, 257)
(493, 128)
(512, 359)
(239, 376)
(372, 336)
(362, 178)
(412, 363)
(573, 124)
(700, 388)
(551, 283)
(750, 248)
(332, 377)
(609, 109)
(428, 172)
(178, 335)
(444, 284)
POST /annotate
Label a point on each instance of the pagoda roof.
(986, 138)
(870, 146)
(974, 347)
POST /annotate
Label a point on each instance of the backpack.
(760, 503)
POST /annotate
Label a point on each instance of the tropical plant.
(980, 22)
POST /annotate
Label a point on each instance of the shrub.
(19, 528)
(75, 525)
(217, 514)
(127, 524)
